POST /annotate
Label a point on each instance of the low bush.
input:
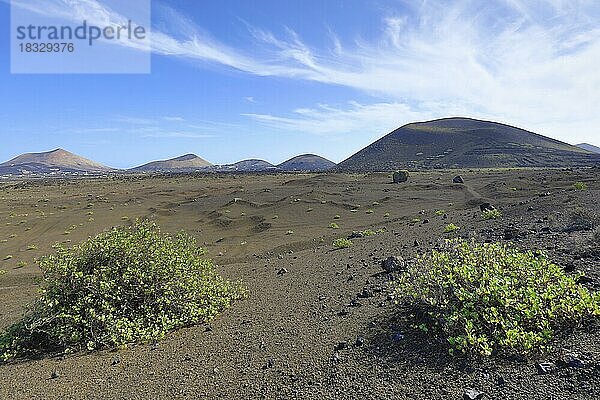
(342, 243)
(580, 186)
(130, 284)
(451, 228)
(333, 225)
(486, 298)
(492, 214)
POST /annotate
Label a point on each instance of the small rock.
(392, 264)
(400, 176)
(282, 271)
(458, 179)
(269, 364)
(341, 345)
(545, 367)
(55, 374)
(572, 361)
(417, 244)
(486, 207)
(360, 341)
(500, 381)
(472, 394)
(116, 360)
(396, 337)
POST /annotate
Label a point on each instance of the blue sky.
(271, 79)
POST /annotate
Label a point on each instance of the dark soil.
(319, 323)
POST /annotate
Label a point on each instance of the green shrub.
(337, 217)
(451, 228)
(130, 284)
(342, 243)
(580, 186)
(492, 214)
(440, 213)
(484, 298)
(333, 225)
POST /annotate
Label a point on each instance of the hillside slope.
(49, 161)
(589, 147)
(188, 162)
(465, 143)
(306, 162)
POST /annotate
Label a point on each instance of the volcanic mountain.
(589, 147)
(186, 163)
(465, 143)
(58, 160)
(306, 162)
(252, 165)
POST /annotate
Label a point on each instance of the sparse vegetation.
(333, 225)
(337, 217)
(290, 232)
(451, 228)
(580, 186)
(492, 214)
(342, 243)
(440, 213)
(131, 284)
(8, 257)
(486, 298)
(369, 211)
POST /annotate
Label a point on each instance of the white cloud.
(531, 63)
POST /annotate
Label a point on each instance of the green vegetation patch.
(130, 284)
(492, 214)
(451, 228)
(580, 186)
(487, 298)
(342, 243)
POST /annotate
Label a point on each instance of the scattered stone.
(400, 176)
(545, 367)
(282, 271)
(472, 394)
(116, 360)
(55, 374)
(458, 179)
(513, 233)
(500, 381)
(269, 364)
(365, 294)
(572, 360)
(341, 345)
(393, 264)
(486, 207)
(417, 243)
(343, 312)
(360, 341)
(396, 337)
(355, 303)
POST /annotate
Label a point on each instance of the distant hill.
(55, 161)
(465, 143)
(589, 147)
(252, 165)
(186, 163)
(306, 162)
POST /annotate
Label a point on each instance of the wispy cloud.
(532, 63)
